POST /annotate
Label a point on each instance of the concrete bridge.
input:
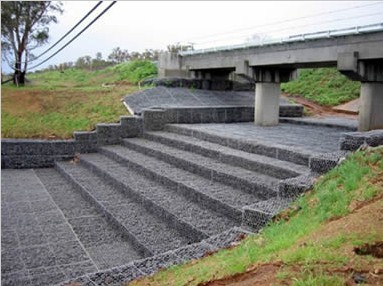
(356, 52)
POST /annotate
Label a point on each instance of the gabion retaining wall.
(26, 153)
(206, 84)
(353, 140)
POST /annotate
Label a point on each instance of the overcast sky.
(140, 25)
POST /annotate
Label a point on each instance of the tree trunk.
(19, 78)
(19, 75)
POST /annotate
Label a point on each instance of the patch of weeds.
(311, 254)
(318, 279)
(359, 241)
(136, 71)
(283, 274)
(336, 242)
(325, 86)
(307, 112)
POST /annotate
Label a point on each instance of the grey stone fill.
(135, 185)
(258, 215)
(102, 242)
(330, 121)
(38, 244)
(353, 140)
(147, 266)
(150, 230)
(203, 188)
(301, 138)
(181, 97)
(265, 165)
(178, 194)
(262, 185)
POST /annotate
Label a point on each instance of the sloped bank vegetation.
(317, 241)
(56, 102)
(53, 104)
(325, 86)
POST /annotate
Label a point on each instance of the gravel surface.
(226, 194)
(319, 139)
(103, 243)
(39, 246)
(149, 229)
(207, 167)
(175, 203)
(258, 163)
(186, 97)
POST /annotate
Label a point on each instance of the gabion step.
(103, 243)
(253, 162)
(193, 219)
(272, 150)
(149, 233)
(253, 182)
(214, 195)
(125, 273)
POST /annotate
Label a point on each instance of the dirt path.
(318, 110)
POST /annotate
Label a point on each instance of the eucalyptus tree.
(24, 27)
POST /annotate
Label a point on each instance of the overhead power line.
(286, 21)
(70, 31)
(292, 27)
(75, 37)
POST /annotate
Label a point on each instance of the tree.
(98, 56)
(258, 38)
(175, 48)
(118, 55)
(24, 27)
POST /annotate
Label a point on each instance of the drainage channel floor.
(51, 236)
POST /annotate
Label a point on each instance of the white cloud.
(140, 25)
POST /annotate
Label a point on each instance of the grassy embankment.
(54, 104)
(325, 86)
(311, 246)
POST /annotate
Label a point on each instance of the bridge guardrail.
(294, 38)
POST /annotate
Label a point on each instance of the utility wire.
(78, 34)
(287, 21)
(292, 27)
(70, 31)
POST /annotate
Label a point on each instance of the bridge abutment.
(371, 107)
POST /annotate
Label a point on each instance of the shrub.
(135, 71)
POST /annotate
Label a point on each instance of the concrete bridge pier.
(371, 106)
(267, 93)
(370, 74)
(266, 111)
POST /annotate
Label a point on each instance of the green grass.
(54, 104)
(322, 279)
(330, 199)
(135, 71)
(325, 86)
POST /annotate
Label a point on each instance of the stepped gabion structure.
(154, 190)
